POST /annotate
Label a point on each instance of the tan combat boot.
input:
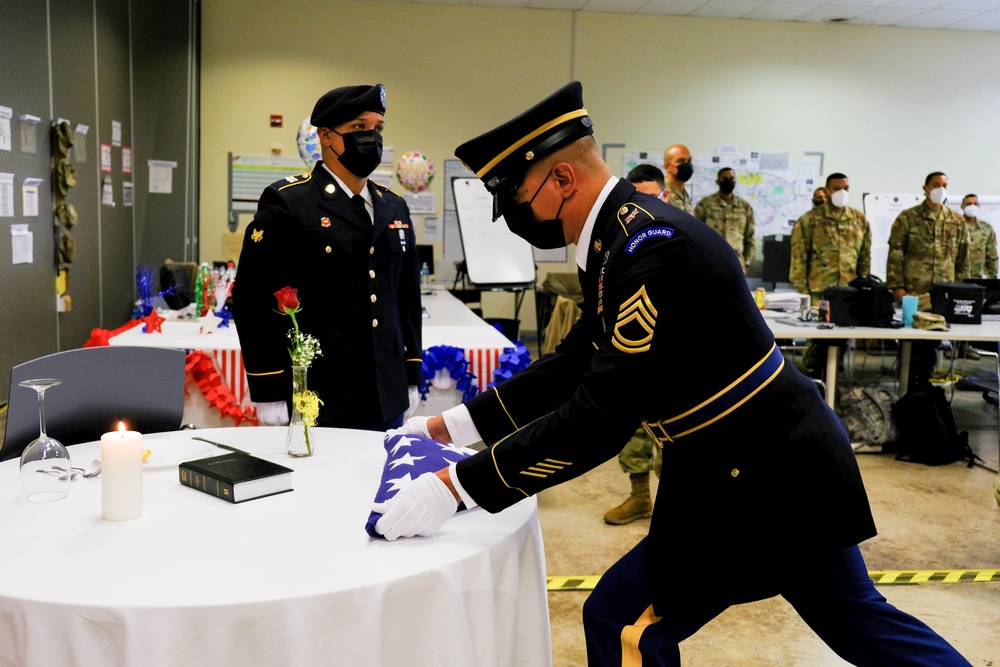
(636, 506)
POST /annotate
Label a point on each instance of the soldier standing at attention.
(982, 240)
(348, 246)
(731, 216)
(831, 245)
(677, 164)
(928, 244)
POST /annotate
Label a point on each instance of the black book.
(236, 476)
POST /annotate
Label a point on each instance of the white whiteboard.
(494, 255)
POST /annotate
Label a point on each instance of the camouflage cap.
(66, 213)
(65, 176)
(63, 138)
(929, 322)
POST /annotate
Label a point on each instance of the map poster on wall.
(779, 186)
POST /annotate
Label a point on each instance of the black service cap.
(502, 156)
(346, 103)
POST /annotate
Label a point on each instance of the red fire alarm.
(276, 120)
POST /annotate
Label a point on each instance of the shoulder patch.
(379, 186)
(297, 179)
(630, 212)
(644, 235)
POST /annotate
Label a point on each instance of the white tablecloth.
(291, 579)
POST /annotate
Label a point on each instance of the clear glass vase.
(305, 411)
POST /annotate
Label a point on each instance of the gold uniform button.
(371, 273)
(329, 249)
(374, 298)
(371, 251)
(735, 472)
(374, 324)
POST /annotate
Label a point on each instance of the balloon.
(308, 142)
(415, 171)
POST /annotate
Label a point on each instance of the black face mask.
(685, 172)
(818, 202)
(543, 234)
(362, 152)
(727, 185)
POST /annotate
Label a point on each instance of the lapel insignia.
(257, 235)
(378, 193)
(330, 188)
(598, 245)
(325, 222)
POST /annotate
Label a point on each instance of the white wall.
(885, 105)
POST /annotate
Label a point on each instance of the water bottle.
(425, 276)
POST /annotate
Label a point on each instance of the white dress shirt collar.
(583, 244)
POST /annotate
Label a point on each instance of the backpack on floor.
(927, 430)
(867, 415)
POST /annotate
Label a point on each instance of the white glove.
(414, 392)
(412, 426)
(274, 413)
(419, 509)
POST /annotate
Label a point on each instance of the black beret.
(347, 103)
(502, 156)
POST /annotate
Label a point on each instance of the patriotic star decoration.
(153, 322)
(409, 456)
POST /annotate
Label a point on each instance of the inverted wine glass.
(46, 469)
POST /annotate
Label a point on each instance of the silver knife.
(219, 444)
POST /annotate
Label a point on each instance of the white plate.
(168, 452)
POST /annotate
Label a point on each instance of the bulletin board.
(495, 257)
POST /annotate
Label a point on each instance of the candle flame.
(121, 426)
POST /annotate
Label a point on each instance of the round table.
(290, 579)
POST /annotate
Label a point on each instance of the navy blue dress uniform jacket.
(359, 286)
(758, 472)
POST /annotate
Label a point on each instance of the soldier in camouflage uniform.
(927, 244)
(831, 245)
(982, 240)
(820, 196)
(731, 216)
(648, 178)
(677, 164)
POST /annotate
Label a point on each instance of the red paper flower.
(288, 300)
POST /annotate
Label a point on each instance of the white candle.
(121, 474)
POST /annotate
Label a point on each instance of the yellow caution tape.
(879, 577)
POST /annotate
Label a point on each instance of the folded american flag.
(408, 457)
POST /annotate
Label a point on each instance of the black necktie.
(359, 203)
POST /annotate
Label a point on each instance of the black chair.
(141, 386)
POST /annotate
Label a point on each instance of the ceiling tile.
(622, 6)
(556, 4)
(926, 4)
(984, 21)
(937, 18)
(981, 5)
(834, 11)
(674, 7)
(889, 15)
(781, 11)
(728, 8)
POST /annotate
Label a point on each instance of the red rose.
(288, 300)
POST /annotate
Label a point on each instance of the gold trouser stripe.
(631, 634)
(579, 113)
(267, 373)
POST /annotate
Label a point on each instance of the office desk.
(291, 579)
(985, 332)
